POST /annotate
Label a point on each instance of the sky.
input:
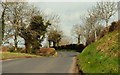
(69, 12)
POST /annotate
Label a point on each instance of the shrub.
(46, 51)
(114, 26)
(103, 32)
(4, 48)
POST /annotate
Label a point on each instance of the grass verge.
(12, 55)
(101, 56)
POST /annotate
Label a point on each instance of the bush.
(4, 48)
(46, 51)
(114, 26)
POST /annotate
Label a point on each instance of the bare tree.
(106, 10)
(77, 31)
(4, 8)
(92, 23)
(102, 11)
(54, 35)
(15, 16)
(91, 28)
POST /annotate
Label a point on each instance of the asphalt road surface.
(63, 63)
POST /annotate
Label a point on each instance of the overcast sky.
(69, 12)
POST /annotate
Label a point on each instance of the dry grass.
(11, 55)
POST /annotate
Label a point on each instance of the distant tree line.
(70, 47)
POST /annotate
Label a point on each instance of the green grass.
(12, 55)
(101, 56)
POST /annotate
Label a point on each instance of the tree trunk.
(27, 47)
(57, 43)
(106, 23)
(15, 41)
(87, 36)
(35, 46)
(0, 33)
(54, 44)
(3, 22)
(107, 26)
(49, 43)
(95, 35)
(78, 39)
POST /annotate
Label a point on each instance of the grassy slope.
(10, 55)
(101, 56)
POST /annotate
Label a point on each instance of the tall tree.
(27, 23)
(4, 7)
(77, 31)
(106, 10)
(92, 22)
(91, 28)
(102, 11)
(54, 33)
(34, 34)
(14, 15)
(54, 36)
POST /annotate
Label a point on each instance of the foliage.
(114, 26)
(54, 35)
(34, 34)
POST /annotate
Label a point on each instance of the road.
(63, 63)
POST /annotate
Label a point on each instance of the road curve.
(63, 63)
